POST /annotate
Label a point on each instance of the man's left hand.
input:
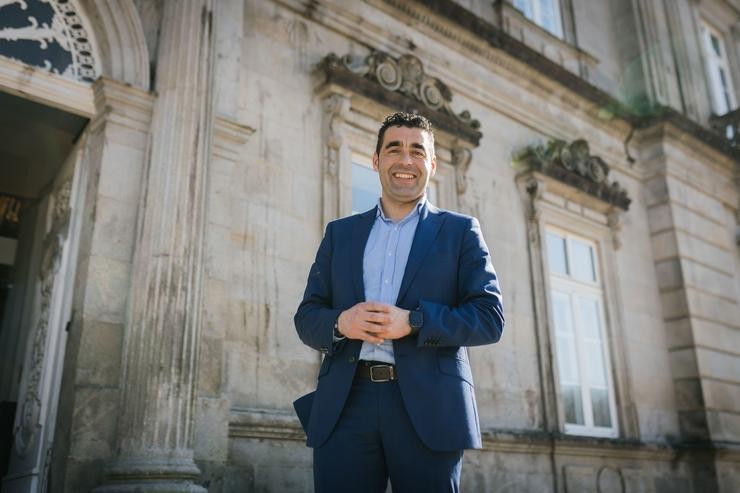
(397, 327)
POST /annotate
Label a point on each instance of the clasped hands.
(374, 322)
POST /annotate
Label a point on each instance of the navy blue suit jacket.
(450, 277)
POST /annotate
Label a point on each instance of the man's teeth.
(403, 175)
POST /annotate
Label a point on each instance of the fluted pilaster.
(161, 341)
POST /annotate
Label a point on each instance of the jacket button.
(351, 359)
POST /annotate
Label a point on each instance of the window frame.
(567, 285)
(535, 6)
(359, 159)
(552, 203)
(713, 63)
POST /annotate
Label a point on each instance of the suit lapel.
(360, 234)
(426, 231)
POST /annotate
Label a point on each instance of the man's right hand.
(363, 321)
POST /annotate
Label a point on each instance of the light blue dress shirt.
(383, 264)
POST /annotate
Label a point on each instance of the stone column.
(155, 427)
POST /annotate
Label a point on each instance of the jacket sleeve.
(478, 317)
(316, 316)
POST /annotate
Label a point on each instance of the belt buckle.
(379, 380)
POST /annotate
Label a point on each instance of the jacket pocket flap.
(456, 367)
(302, 407)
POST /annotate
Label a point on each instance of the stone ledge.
(41, 86)
(265, 423)
(283, 425)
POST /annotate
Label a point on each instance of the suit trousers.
(373, 441)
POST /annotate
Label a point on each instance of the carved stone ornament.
(336, 108)
(401, 84)
(47, 34)
(574, 165)
(461, 161)
(30, 409)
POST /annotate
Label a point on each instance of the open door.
(41, 192)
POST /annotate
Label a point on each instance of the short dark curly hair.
(401, 119)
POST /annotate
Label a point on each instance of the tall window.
(365, 187)
(544, 13)
(718, 70)
(578, 318)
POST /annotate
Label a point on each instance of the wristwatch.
(416, 320)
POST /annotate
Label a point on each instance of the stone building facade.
(167, 168)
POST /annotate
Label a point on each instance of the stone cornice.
(402, 85)
(44, 87)
(283, 425)
(574, 165)
(466, 20)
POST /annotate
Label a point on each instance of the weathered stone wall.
(672, 269)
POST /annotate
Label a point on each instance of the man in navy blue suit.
(392, 300)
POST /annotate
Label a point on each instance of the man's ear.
(434, 166)
(375, 161)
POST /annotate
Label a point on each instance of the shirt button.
(386, 281)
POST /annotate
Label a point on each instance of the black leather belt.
(376, 371)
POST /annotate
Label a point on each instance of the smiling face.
(405, 164)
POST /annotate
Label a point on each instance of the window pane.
(561, 313)
(572, 404)
(718, 76)
(567, 360)
(715, 45)
(365, 188)
(595, 361)
(582, 261)
(525, 6)
(590, 320)
(590, 325)
(600, 406)
(548, 16)
(565, 340)
(556, 254)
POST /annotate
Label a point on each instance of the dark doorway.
(36, 142)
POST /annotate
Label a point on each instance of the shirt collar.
(414, 212)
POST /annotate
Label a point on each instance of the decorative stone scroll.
(47, 34)
(401, 83)
(574, 165)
